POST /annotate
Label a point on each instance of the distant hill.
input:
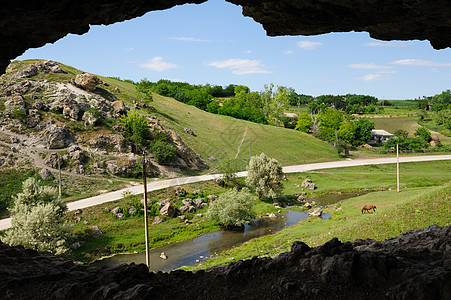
(44, 111)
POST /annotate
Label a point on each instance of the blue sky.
(213, 43)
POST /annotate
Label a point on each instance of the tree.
(304, 123)
(36, 219)
(274, 102)
(264, 175)
(232, 208)
(423, 133)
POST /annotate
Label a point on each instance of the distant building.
(379, 136)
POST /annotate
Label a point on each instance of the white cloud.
(420, 63)
(188, 39)
(129, 49)
(388, 44)
(308, 45)
(370, 77)
(247, 51)
(157, 64)
(241, 66)
(287, 52)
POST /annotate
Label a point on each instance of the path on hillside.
(241, 143)
(161, 184)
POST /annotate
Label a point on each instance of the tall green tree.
(274, 101)
(36, 219)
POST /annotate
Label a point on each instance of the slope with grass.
(396, 212)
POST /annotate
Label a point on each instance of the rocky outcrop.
(414, 265)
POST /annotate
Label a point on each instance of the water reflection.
(186, 253)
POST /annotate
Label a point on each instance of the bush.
(37, 220)
(232, 208)
(163, 153)
(136, 128)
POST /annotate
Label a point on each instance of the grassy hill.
(221, 136)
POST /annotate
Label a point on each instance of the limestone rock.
(315, 212)
(45, 174)
(308, 184)
(119, 107)
(96, 232)
(15, 101)
(163, 256)
(157, 220)
(168, 210)
(87, 81)
(57, 137)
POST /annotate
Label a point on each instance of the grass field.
(396, 212)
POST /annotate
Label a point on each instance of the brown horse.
(368, 208)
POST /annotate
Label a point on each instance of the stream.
(197, 250)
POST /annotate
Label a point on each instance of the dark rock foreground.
(414, 265)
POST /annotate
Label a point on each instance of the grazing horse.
(368, 208)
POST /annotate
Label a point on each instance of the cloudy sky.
(213, 43)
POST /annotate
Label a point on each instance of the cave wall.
(31, 24)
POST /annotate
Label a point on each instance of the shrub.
(232, 208)
(163, 153)
(37, 220)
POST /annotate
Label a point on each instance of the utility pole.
(397, 166)
(146, 219)
(59, 171)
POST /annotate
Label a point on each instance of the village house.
(379, 136)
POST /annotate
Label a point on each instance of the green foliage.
(136, 128)
(10, 184)
(36, 220)
(423, 133)
(232, 208)
(273, 102)
(304, 123)
(164, 153)
(264, 176)
(19, 113)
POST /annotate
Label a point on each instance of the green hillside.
(220, 136)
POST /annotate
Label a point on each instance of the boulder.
(187, 201)
(315, 212)
(87, 81)
(119, 107)
(132, 210)
(96, 232)
(168, 210)
(164, 202)
(308, 184)
(90, 118)
(45, 174)
(187, 208)
(179, 191)
(109, 142)
(163, 256)
(301, 198)
(116, 210)
(198, 202)
(157, 220)
(57, 137)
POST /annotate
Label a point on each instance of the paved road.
(161, 184)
